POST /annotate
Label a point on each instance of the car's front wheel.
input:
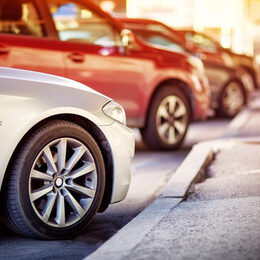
(168, 120)
(55, 182)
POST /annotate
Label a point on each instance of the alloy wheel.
(171, 119)
(233, 99)
(62, 182)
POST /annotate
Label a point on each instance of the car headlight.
(115, 111)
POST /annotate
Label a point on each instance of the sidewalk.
(220, 218)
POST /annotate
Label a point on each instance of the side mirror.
(127, 38)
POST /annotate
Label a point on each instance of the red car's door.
(93, 55)
(23, 39)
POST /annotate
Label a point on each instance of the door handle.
(76, 56)
(4, 49)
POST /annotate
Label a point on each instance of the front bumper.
(122, 144)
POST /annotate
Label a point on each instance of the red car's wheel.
(232, 99)
(168, 120)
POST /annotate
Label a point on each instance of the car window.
(202, 42)
(20, 18)
(78, 23)
(159, 40)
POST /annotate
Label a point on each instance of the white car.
(65, 153)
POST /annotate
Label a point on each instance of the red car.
(232, 77)
(161, 91)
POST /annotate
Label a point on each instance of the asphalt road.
(150, 172)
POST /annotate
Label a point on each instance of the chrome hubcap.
(171, 120)
(62, 182)
(233, 99)
(58, 182)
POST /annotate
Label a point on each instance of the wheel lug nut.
(68, 181)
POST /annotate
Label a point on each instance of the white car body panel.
(121, 149)
(27, 98)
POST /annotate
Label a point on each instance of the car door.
(94, 56)
(24, 41)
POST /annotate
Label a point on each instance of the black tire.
(232, 99)
(175, 122)
(35, 217)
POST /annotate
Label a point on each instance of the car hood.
(48, 79)
(44, 93)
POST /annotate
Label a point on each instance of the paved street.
(150, 172)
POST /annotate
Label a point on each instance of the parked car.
(209, 48)
(158, 89)
(238, 88)
(67, 153)
(231, 86)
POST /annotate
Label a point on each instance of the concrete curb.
(193, 167)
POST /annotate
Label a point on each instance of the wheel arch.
(99, 137)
